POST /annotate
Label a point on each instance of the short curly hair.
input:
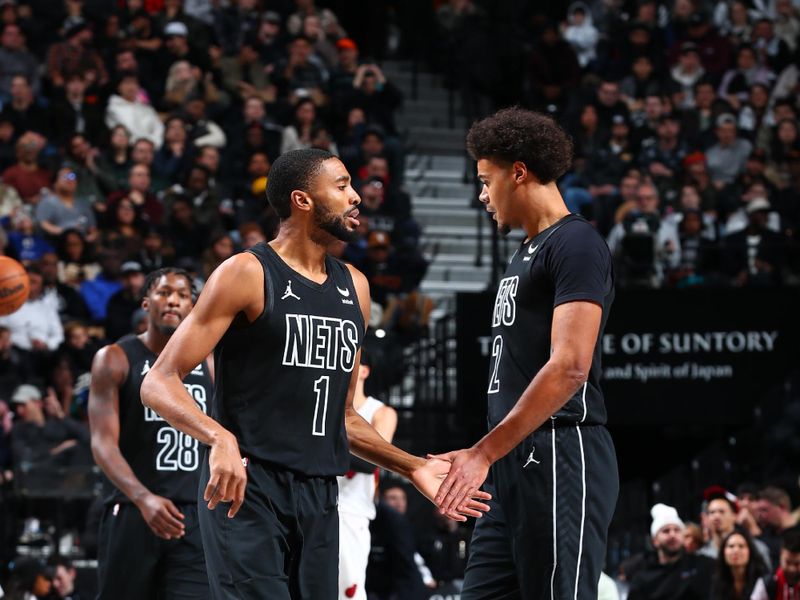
(515, 134)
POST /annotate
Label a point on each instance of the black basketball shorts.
(283, 544)
(545, 536)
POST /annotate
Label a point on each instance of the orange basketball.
(14, 285)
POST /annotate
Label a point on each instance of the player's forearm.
(366, 443)
(167, 396)
(552, 387)
(109, 458)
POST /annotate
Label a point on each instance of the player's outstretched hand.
(468, 471)
(227, 475)
(162, 516)
(429, 477)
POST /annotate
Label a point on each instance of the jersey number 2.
(321, 389)
(497, 351)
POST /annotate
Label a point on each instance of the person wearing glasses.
(60, 209)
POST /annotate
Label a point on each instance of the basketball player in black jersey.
(149, 544)
(287, 321)
(550, 462)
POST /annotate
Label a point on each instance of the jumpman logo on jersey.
(289, 293)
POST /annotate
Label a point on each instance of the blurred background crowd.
(136, 134)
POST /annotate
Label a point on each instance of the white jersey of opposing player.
(357, 490)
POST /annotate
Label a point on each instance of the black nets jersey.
(282, 380)
(566, 262)
(165, 460)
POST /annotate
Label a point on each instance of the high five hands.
(467, 472)
(431, 479)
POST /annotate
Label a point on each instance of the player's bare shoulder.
(236, 285)
(110, 365)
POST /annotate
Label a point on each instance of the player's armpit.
(236, 286)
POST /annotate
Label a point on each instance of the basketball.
(14, 285)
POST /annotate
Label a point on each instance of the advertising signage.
(669, 356)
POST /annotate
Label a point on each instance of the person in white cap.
(670, 573)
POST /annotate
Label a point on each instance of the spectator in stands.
(692, 538)
(554, 70)
(44, 435)
(643, 244)
(22, 111)
(124, 303)
(787, 23)
(784, 583)
(177, 47)
(155, 253)
(174, 11)
(118, 154)
(445, 548)
(715, 51)
(297, 134)
(16, 60)
(64, 580)
(219, 250)
(126, 108)
(378, 97)
(245, 75)
(173, 156)
(35, 327)
(15, 368)
(75, 55)
(671, 573)
(29, 578)
(96, 292)
(662, 161)
(739, 568)
(76, 259)
(202, 130)
(771, 50)
(62, 209)
(773, 512)
(300, 75)
(188, 236)
(95, 176)
(328, 20)
(687, 72)
(26, 176)
(726, 159)
(393, 570)
(145, 203)
(25, 244)
(75, 112)
(143, 152)
(581, 34)
(783, 151)
(269, 38)
(736, 84)
(643, 83)
(755, 255)
(721, 520)
(64, 298)
(184, 82)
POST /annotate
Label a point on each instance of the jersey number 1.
(321, 388)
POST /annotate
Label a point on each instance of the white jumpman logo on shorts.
(289, 293)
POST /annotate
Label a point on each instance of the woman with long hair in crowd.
(738, 567)
(76, 262)
(118, 154)
(297, 134)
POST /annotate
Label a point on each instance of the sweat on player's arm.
(573, 337)
(367, 443)
(228, 292)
